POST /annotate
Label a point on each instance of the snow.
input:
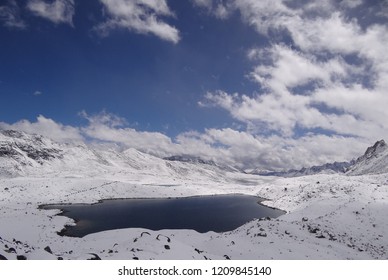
(348, 213)
(329, 216)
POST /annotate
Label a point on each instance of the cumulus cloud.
(47, 127)
(324, 89)
(10, 15)
(333, 77)
(111, 128)
(140, 16)
(224, 146)
(58, 11)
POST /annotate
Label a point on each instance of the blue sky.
(153, 83)
(267, 84)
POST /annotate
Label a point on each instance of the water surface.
(217, 213)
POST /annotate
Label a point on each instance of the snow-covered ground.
(332, 216)
(328, 217)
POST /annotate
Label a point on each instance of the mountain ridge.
(373, 161)
(22, 153)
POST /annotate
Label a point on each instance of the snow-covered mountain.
(189, 158)
(198, 160)
(328, 168)
(374, 161)
(340, 217)
(23, 154)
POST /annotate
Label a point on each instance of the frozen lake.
(217, 213)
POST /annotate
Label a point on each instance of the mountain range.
(30, 154)
(374, 161)
(23, 154)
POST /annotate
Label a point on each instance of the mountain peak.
(374, 160)
(378, 147)
(26, 148)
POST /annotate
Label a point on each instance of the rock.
(2, 258)
(166, 247)
(198, 251)
(313, 230)
(11, 250)
(21, 257)
(95, 257)
(48, 250)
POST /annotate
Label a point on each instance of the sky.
(268, 84)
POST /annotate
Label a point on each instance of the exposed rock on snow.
(328, 168)
(374, 161)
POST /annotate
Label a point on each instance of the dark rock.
(60, 258)
(2, 258)
(48, 250)
(168, 238)
(198, 251)
(21, 257)
(135, 258)
(166, 247)
(11, 250)
(226, 257)
(95, 257)
(313, 230)
(304, 219)
(17, 241)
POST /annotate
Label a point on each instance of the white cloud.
(219, 8)
(265, 14)
(37, 92)
(111, 128)
(47, 127)
(324, 92)
(10, 15)
(58, 11)
(351, 3)
(140, 16)
(225, 146)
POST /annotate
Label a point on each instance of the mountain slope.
(23, 154)
(328, 168)
(374, 161)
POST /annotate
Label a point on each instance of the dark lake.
(217, 213)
